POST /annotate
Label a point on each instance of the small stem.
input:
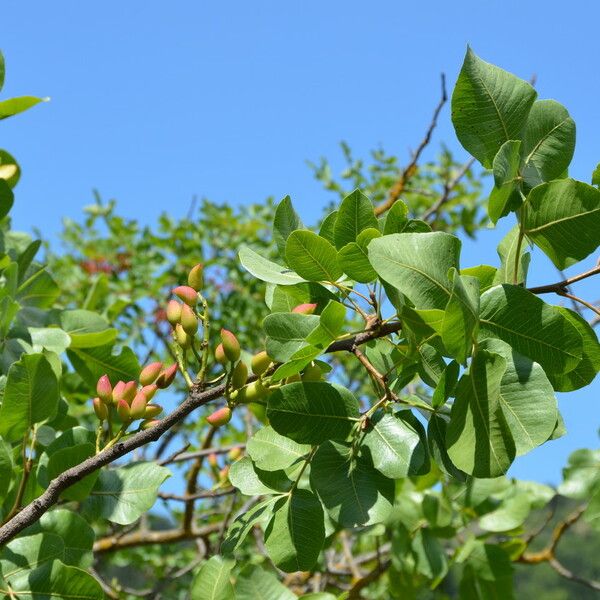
(205, 341)
(119, 435)
(27, 464)
(518, 256)
(99, 433)
(306, 463)
(581, 301)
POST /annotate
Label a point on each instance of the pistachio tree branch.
(398, 188)
(561, 287)
(548, 554)
(196, 398)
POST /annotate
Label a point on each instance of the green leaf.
(39, 290)
(266, 270)
(270, 451)
(436, 441)
(485, 273)
(31, 396)
(331, 321)
(596, 175)
(123, 494)
(312, 412)
(285, 298)
(6, 198)
(49, 338)
(54, 580)
(213, 580)
(445, 387)
(87, 329)
(14, 106)
(285, 221)
(287, 333)
(252, 481)
(6, 470)
(328, 226)
(532, 327)
(396, 444)
(396, 218)
(507, 251)
(295, 534)
(430, 554)
(76, 534)
(581, 477)
(353, 492)
(23, 554)
(562, 217)
(355, 214)
(92, 363)
(489, 107)
(505, 195)
(417, 264)
(589, 365)
(64, 459)
(488, 573)
(526, 398)
(478, 438)
(461, 316)
(548, 142)
(312, 257)
(9, 169)
(244, 522)
(509, 515)
(354, 258)
(255, 583)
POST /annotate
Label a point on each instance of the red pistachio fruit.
(129, 391)
(231, 346)
(123, 410)
(149, 391)
(138, 406)
(220, 355)
(150, 373)
(165, 379)
(117, 393)
(104, 389)
(222, 416)
(305, 309)
(187, 294)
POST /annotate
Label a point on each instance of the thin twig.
(561, 286)
(398, 188)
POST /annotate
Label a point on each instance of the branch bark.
(196, 398)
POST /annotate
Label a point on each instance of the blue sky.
(155, 102)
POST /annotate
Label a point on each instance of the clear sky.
(153, 102)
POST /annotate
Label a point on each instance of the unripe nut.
(231, 346)
(152, 410)
(305, 309)
(173, 312)
(100, 409)
(220, 417)
(150, 373)
(181, 337)
(235, 453)
(188, 321)
(239, 376)
(196, 277)
(104, 389)
(293, 378)
(187, 294)
(147, 424)
(260, 363)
